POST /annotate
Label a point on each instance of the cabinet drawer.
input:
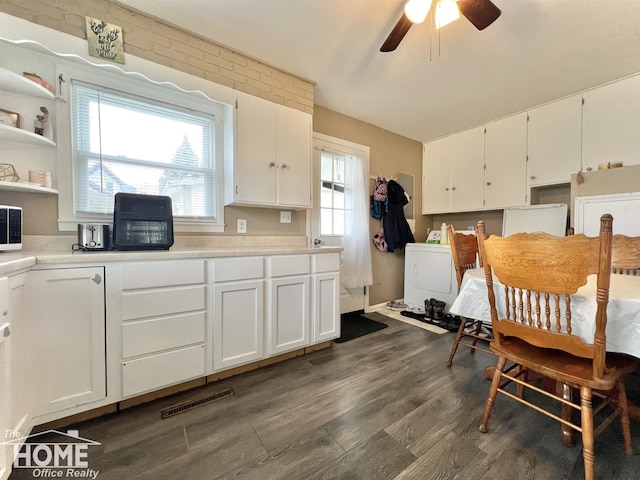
(326, 262)
(148, 336)
(238, 268)
(162, 301)
(288, 265)
(162, 274)
(164, 369)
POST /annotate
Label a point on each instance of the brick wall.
(159, 42)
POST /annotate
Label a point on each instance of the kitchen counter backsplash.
(61, 243)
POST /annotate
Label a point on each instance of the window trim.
(164, 92)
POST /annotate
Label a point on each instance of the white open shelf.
(14, 82)
(26, 187)
(19, 135)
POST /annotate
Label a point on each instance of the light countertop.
(20, 260)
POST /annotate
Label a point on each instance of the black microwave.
(10, 228)
(142, 222)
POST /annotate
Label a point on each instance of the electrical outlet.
(242, 225)
(285, 217)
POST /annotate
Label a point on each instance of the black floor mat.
(354, 325)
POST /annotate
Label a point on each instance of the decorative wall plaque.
(105, 40)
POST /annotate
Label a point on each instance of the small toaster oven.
(142, 222)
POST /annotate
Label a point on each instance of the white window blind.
(127, 143)
(332, 190)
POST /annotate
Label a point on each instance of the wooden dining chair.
(466, 255)
(625, 255)
(533, 327)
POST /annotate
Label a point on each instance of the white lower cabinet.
(326, 297)
(21, 398)
(66, 329)
(238, 311)
(163, 315)
(289, 303)
(6, 425)
(73, 339)
(155, 371)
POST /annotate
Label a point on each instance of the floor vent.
(184, 406)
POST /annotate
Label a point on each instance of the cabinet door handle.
(97, 279)
(446, 189)
(453, 188)
(284, 165)
(272, 164)
(7, 332)
(533, 177)
(488, 183)
(5, 313)
(589, 169)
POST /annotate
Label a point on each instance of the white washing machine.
(429, 273)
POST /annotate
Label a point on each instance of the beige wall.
(388, 153)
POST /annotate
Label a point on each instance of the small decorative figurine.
(42, 124)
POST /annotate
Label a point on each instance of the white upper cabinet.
(611, 124)
(255, 167)
(554, 142)
(453, 173)
(272, 164)
(505, 162)
(467, 170)
(293, 152)
(544, 146)
(436, 176)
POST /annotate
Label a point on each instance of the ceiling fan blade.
(397, 34)
(481, 13)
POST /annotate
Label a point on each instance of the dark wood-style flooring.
(383, 406)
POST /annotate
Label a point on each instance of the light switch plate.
(285, 217)
(242, 225)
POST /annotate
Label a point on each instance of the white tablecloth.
(623, 310)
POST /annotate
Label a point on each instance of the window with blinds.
(332, 201)
(127, 143)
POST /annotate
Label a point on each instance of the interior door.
(327, 214)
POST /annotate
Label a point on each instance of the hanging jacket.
(396, 229)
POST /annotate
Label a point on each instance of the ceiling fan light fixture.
(416, 10)
(446, 12)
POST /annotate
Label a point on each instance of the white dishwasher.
(429, 273)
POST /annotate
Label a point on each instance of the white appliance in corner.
(551, 218)
(429, 273)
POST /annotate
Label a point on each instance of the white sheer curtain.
(356, 266)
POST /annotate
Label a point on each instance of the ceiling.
(438, 81)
